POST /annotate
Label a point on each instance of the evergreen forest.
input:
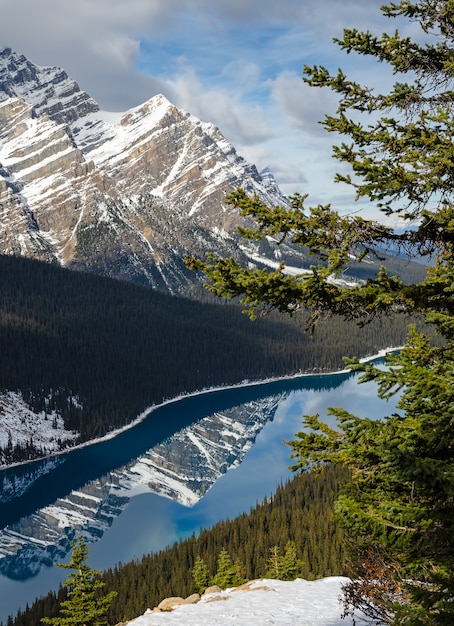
(100, 351)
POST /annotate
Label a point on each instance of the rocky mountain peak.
(123, 194)
(48, 89)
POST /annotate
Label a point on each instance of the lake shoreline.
(142, 416)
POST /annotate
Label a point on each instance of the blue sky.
(235, 63)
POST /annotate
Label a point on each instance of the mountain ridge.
(123, 194)
(48, 89)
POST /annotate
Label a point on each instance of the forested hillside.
(100, 351)
(299, 511)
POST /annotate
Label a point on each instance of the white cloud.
(98, 41)
(304, 106)
(240, 122)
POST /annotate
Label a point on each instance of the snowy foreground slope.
(297, 603)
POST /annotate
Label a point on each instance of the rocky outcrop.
(168, 604)
(211, 594)
(44, 179)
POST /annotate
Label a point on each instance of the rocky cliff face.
(48, 89)
(126, 195)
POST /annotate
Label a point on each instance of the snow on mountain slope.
(123, 194)
(105, 136)
(185, 160)
(20, 425)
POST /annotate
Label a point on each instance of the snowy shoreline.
(142, 416)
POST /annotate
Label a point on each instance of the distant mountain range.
(126, 195)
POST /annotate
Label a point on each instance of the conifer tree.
(284, 567)
(200, 575)
(398, 509)
(274, 563)
(291, 564)
(85, 605)
(229, 573)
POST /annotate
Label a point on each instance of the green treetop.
(228, 574)
(85, 605)
(200, 575)
(284, 567)
(399, 508)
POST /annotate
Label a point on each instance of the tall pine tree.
(85, 606)
(399, 507)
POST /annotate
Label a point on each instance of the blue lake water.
(129, 518)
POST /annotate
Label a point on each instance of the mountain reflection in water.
(182, 468)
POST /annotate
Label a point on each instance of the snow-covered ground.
(20, 425)
(297, 603)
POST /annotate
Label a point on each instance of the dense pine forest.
(100, 351)
(300, 511)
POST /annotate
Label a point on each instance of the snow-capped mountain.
(48, 89)
(123, 194)
(183, 468)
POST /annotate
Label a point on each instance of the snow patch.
(20, 425)
(265, 602)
